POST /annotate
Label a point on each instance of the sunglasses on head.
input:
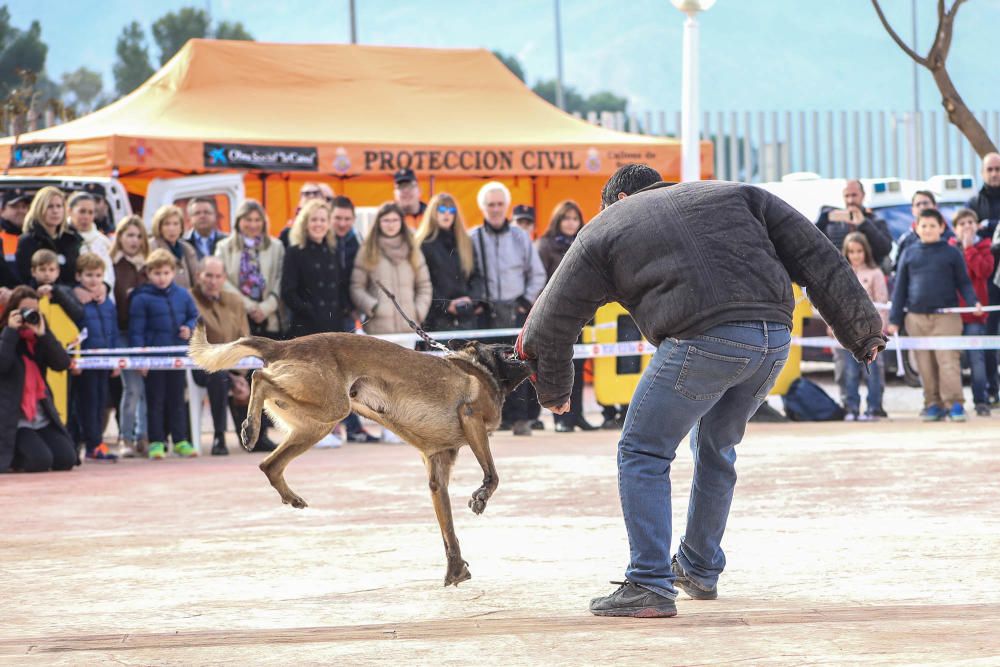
(447, 209)
(311, 193)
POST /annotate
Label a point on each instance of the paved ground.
(848, 543)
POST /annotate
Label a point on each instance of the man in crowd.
(854, 217)
(986, 204)
(348, 244)
(524, 217)
(15, 207)
(203, 226)
(706, 270)
(514, 276)
(225, 320)
(406, 193)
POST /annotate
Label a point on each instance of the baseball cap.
(522, 211)
(404, 176)
(15, 195)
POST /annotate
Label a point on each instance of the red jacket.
(979, 261)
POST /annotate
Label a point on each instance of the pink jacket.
(873, 280)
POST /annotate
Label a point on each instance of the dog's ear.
(460, 344)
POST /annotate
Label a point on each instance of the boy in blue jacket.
(162, 314)
(929, 277)
(100, 318)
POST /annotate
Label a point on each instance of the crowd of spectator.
(130, 288)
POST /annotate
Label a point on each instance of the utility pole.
(560, 102)
(354, 22)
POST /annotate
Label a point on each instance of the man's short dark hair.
(932, 213)
(861, 186)
(194, 201)
(342, 202)
(628, 178)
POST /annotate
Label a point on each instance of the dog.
(435, 403)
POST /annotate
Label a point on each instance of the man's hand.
(560, 409)
(979, 309)
(185, 332)
(257, 315)
(82, 294)
(893, 329)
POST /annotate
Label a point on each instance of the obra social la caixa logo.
(263, 158)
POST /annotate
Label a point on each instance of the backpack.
(806, 401)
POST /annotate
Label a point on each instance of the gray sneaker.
(635, 601)
(693, 589)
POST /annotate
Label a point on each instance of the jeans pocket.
(772, 377)
(705, 375)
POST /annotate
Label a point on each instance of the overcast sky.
(756, 54)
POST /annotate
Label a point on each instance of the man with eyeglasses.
(406, 193)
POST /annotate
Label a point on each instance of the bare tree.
(935, 61)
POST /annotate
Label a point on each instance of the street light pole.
(690, 144)
(560, 102)
(354, 21)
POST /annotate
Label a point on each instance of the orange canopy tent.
(347, 115)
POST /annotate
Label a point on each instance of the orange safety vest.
(9, 245)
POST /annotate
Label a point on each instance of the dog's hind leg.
(262, 388)
(438, 473)
(479, 441)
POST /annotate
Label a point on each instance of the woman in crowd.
(168, 225)
(82, 211)
(32, 437)
(128, 257)
(45, 227)
(310, 280)
(391, 256)
(457, 287)
(253, 263)
(566, 221)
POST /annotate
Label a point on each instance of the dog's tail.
(227, 355)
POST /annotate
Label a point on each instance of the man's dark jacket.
(875, 229)
(986, 204)
(685, 258)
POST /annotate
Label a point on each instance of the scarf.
(175, 248)
(251, 277)
(90, 238)
(34, 385)
(136, 260)
(395, 248)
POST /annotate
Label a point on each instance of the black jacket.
(310, 288)
(986, 204)
(49, 353)
(685, 258)
(449, 283)
(67, 247)
(875, 229)
(347, 250)
(212, 242)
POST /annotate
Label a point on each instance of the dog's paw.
(295, 501)
(478, 501)
(248, 435)
(457, 573)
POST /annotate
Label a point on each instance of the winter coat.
(929, 277)
(187, 268)
(551, 250)
(310, 288)
(875, 230)
(449, 282)
(272, 256)
(225, 319)
(986, 204)
(347, 250)
(510, 265)
(66, 246)
(873, 280)
(49, 354)
(979, 263)
(155, 316)
(101, 321)
(908, 239)
(127, 278)
(412, 289)
(685, 258)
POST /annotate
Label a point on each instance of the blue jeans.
(853, 372)
(709, 386)
(977, 364)
(133, 406)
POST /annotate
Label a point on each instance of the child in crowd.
(859, 254)
(99, 317)
(979, 262)
(162, 314)
(128, 254)
(929, 277)
(44, 278)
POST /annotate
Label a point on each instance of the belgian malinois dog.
(437, 404)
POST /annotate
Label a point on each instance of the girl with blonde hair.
(45, 228)
(391, 256)
(457, 285)
(168, 226)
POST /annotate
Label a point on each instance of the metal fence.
(760, 146)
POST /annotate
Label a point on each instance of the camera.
(31, 316)
(464, 308)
